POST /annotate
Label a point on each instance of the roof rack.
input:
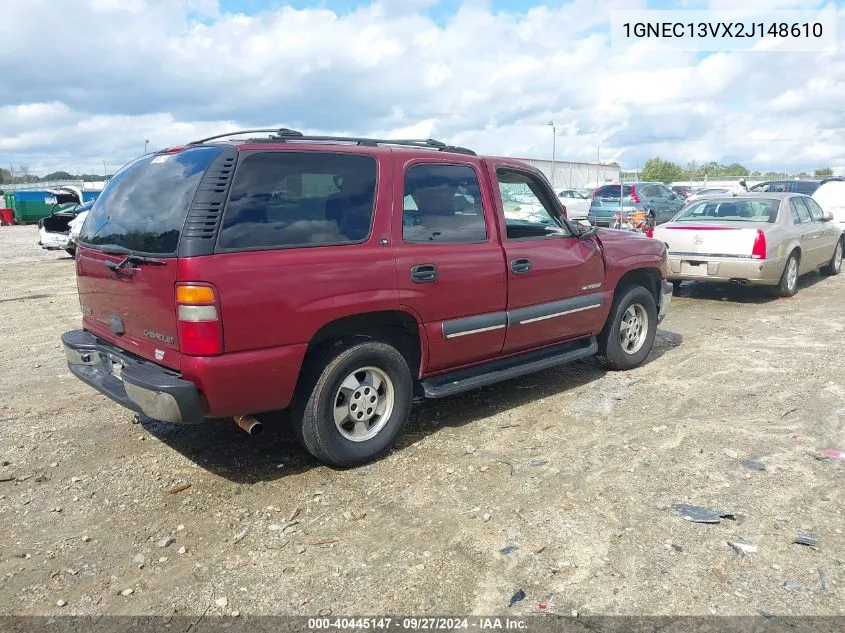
(284, 134)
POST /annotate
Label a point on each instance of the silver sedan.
(764, 238)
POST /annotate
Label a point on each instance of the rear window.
(286, 199)
(738, 210)
(144, 206)
(612, 191)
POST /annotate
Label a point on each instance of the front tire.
(353, 407)
(628, 335)
(834, 266)
(788, 285)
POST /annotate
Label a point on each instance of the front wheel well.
(649, 278)
(395, 327)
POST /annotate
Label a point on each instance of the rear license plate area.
(693, 267)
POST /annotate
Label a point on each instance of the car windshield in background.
(734, 210)
(144, 206)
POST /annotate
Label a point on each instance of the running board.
(483, 375)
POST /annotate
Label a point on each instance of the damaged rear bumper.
(137, 384)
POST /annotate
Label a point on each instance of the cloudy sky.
(88, 81)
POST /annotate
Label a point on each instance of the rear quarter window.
(290, 199)
(144, 206)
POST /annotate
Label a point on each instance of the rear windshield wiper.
(129, 258)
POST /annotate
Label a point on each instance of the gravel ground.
(558, 484)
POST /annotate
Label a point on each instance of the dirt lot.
(576, 468)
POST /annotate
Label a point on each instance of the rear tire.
(628, 335)
(71, 250)
(788, 285)
(676, 287)
(352, 407)
(834, 266)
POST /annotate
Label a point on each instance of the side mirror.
(587, 232)
(827, 216)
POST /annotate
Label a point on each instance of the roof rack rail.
(280, 131)
(284, 134)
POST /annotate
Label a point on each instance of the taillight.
(758, 251)
(198, 320)
(634, 197)
(650, 232)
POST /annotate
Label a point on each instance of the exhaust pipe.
(249, 424)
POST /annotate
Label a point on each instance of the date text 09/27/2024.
(722, 30)
(416, 624)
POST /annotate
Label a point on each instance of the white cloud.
(91, 80)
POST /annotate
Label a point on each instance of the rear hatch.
(126, 259)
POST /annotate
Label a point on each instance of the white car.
(76, 228)
(831, 197)
(577, 204)
(709, 193)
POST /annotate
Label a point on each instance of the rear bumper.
(665, 299)
(725, 269)
(137, 384)
(53, 241)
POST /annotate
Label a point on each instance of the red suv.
(340, 277)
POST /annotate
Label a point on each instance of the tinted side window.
(283, 199)
(442, 204)
(806, 187)
(814, 208)
(799, 210)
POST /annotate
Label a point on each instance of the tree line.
(23, 177)
(659, 170)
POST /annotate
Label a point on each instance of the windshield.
(733, 210)
(143, 207)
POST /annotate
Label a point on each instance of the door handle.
(520, 266)
(424, 273)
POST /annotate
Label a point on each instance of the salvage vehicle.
(54, 230)
(767, 239)
(341, 277)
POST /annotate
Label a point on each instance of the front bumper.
(665, 299)
(135, 383)
(726, 269)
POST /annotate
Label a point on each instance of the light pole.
(105, 169)
(147, 142)
(554, 140)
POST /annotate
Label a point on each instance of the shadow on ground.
(735, 293)
(222, 448)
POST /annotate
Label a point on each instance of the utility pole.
(105, 170)
(554, 139)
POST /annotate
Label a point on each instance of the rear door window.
(144, 205)
(442, 204)
(290, 199)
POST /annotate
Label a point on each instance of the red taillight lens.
(200, 338)
(634, 197)
(758, 251)
(198, 320)
(650, 232)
